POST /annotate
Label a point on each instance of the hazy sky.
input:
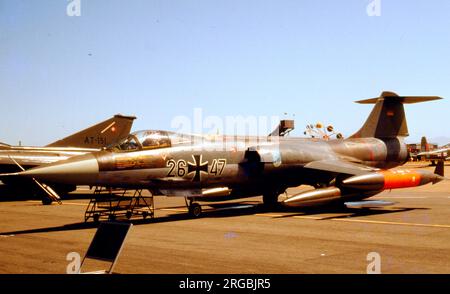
(161, 59)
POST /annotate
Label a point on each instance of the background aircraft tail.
(424, 145)
(387, 119)
(99, 135)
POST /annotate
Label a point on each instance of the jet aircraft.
(16, 158)
(441, 153)
(216, 168)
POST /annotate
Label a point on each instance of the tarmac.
(412, 236)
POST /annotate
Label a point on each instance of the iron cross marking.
(198, 166)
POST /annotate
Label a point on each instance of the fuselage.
(172, 162)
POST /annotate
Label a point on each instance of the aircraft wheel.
(270, 199)
(46, 201)
(96, 217)
(128, 214)
(112, 217)
(195, 210)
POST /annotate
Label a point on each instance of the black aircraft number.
(181, 167)
(217, 166)
(177, 168)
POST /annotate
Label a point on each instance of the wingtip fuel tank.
(391, 179)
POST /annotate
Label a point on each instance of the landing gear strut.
(270, 199)
(194, 208)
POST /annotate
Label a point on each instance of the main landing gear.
(270, 199)
(195, 209)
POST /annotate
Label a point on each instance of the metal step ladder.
(111, 204)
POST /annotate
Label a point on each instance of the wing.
(437, 151)
(340, 167)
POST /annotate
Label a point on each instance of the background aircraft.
(441, 153)
(14, 158)
(211, 168)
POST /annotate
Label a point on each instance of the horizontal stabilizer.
(387, 119)
(403, 99)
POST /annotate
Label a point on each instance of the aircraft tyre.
(195, 210)
(46, 201)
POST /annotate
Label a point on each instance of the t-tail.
(99, 135)
(387, 119)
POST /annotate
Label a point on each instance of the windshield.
(143, 140)
(153, 139)
(129, 143)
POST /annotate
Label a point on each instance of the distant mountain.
(440, 140)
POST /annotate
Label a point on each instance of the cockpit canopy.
(152, 139)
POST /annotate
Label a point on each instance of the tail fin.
(387, 119)
(99, 135)
(424, 145)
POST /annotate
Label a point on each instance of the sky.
(159, 60)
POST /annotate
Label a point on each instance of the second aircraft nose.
(79, 170)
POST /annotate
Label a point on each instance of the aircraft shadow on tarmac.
(288, 212)
(351, 212)
(18, 194)
(93, 225)
(15, 194)
(224, 210)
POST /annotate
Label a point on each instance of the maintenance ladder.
(111, 204)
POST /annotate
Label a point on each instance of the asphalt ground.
(412, 236)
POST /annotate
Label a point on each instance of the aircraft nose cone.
(78, 170)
